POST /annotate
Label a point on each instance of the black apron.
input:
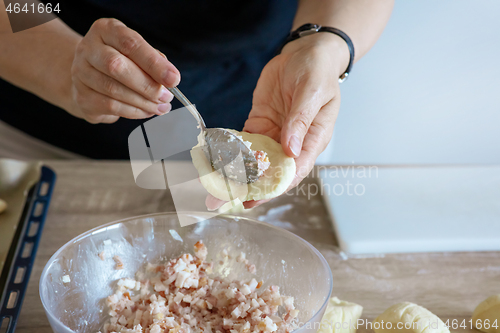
(219, 46)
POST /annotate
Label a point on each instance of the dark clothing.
(219, 46)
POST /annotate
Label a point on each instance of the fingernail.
(164, 108)
(295, 145)
(171, 79)
(166, 96)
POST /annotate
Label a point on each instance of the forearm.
(39, 59)
(362, 20)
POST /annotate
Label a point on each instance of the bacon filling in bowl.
(183, 296)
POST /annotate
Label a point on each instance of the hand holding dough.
(486, 313)
(408, 317)
(271, 184)
(340, 317)
(3, 206)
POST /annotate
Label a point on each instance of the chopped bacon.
(119, 262)
(263, 162)
(180, 297)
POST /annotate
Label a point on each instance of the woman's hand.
(116, 73)
(297, 99)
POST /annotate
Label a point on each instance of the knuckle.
(112, 106)
(108, 23)
(115, 64)
(97, 24)
(92, 119)
(80, 47)
(148, 106)
(137, 113)
(101, 23)
(129, 44)
(154, 61)
(110, 87)
(301, 122)
(114, 23)
(151, 89)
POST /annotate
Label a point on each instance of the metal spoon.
(223, 147)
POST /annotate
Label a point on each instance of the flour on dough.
(271, 184)
(409, 317)
(486, 316)
(232, 207)
(340, 317)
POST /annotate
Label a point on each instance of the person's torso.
(220, 47)
(197, 30)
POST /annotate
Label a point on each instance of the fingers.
(306, 103)
(318, 136)
(110, 87)
(213, 203)
(316, 140)
(116, 73)
(132, 45)
(115, 65)
(99, 108)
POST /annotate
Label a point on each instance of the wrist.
(324, 43)
(64, 91)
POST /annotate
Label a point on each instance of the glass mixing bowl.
(281, 258)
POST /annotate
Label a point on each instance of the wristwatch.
(310, 29)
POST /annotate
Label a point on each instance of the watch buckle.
(343, 77)
(312, 30)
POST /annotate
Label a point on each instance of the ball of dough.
(340, 317)
(271, 184)
(408, 317)
(3, 206)
(488, 314)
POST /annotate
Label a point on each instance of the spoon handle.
(190, 106)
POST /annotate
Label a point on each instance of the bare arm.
(362, 20)
(39, 59)
(297, 98)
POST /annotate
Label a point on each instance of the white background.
(429, 90)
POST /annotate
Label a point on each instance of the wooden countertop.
(90, 193)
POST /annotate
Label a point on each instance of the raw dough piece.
(340, 317)
(3, 206)
(272, 183)
(410, 318)
(228, 207)
(489, 310)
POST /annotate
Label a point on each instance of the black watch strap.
(309, 29)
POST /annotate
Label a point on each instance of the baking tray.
(27, 188)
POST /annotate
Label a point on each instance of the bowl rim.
(105, 225)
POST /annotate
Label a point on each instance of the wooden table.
(89, 193)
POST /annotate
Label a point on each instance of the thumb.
(304, 108)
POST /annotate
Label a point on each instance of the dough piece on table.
(271, 184)
(340, 317)
(3, 206)
(487, 312)
(409, 317)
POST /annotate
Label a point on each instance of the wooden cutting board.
(414, 209)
